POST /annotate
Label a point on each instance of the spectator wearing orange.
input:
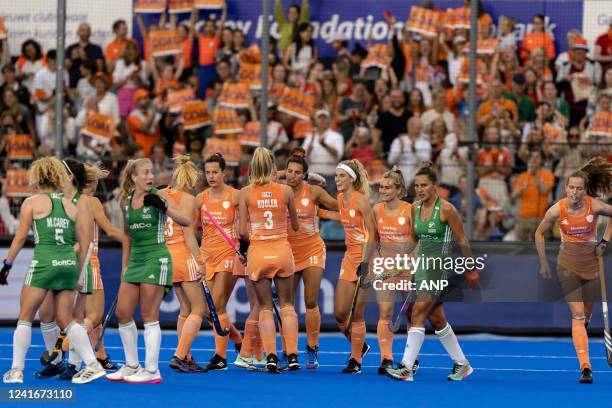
(538, 38)
(533, 189)
(143, 122)
(115, 48)
(564, 57)
(493, 163)
(538, 60)
(493, 107)
(186, 39)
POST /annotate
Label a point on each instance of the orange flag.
(3, 33)
(301, 128)
(601, 125)
(378, 56)
(230, 149)
(177, 99)
(225, 121)
(180, 6)
(17, 184)
(209, 4)
(250, 135)
(150, 6)
(165, 42)
(19, 147)
(195, 115)
(98, 126)
(234, 95)
(296, 103)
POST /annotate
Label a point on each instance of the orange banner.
(99, 126)
(230, 149)
(487, 47)
(250, 135)
(376, 170)
(301, 128)
(234, 95)
(296, 103)
(225, 121)
(19, 147)
(209, 4)
(457, 18)
(180, 6)
(17, 184)
(195, 115)
(165, 42)
(150, 6)
(601, 125)
(378, 56)
(424, 21)
(177, 99)
(3, 33)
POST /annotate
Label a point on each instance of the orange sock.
(267, 331)
(257, 345)
(385, 340)
(234, 332)
(179, 326)
(290, 329)
(581, 343)
(313, 325)
(250, 336)
(188, 334)
(221, 341)
(358, 332)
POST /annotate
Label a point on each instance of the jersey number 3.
(269, 224)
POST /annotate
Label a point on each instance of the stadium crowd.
(542, 112)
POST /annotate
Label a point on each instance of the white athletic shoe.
(88, 374)
(144, 377)
(13, 376)
(123, 372)
(244, 362)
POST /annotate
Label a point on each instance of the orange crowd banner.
(424, 21)
(177, 99)
(296, 103)
(601, 125)
(376, 170)
(458, 18)
(3, 33)
(209, 4)
(230, 149)
(378, 56)
(251, 134)
(225, 122)
(301, 128)
(234, 95)
(165, 42)
(487, 47)
(180, 6)
(150, 6)
(17, 184)
(19, 147)
(98, 126)
(196, 115)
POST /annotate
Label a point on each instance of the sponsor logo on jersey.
(140, 225)
(226, 204)
(146, 210)
(151, 276)
(305, 201)
(352, 213)
(401, 220)
(565, 222)
(63, 262)
(589, 218)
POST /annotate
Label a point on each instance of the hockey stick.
(213, 311)
(274, 299)
(349, 320)
(111, 311)
(604, 306)
(395, 324)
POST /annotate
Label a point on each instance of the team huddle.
(267, 234)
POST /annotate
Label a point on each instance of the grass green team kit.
(54, 264)
(435, 237)
(150, 260)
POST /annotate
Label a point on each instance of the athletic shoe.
(217, 363)
(272, 364)
(586, 376)
(401, 373)
(292, 362)
(386, 363)
(415, 366)
(51, 370)
(243, 362)
(365, 350)
(460, 372)
(283, 363)
(88, 374)
(68, 373)
(123, 372)
(107, 363)
(194, 367)
(312, 357)
(238, 347)
(180, 365)
(353, 367)
(144, 377)
(13, 376)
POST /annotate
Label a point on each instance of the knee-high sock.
(191, 328)
(358, 333)
(221, 341)
(267, 330)
(581, 342)
(129, 339)
(73, 355)
(416, 336)
(180, 322)
(79, 341)
(290, 328)
(50, 333)
(451, 345)
(152, 338)
(234, 333)
(257, 346)
(313, 326)
(22, 338)
(385, 340)
(250, 329)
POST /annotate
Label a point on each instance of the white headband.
(350, 171)
(68, 168)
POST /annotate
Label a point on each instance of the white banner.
(595, 19)
(37, 19)
(9, 294)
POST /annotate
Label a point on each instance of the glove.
(362, 269)
(244, 248)
(472, 278)
(6, 267)
(153, 200)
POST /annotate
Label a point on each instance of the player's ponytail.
(597, 176)
(216, 158)
(395, 175)
(427, 169)
(185, 175)
(126, 184)
(95, 173)
(48, 172)
(76, 170)
(298, 156)
(361, 183)
(261, 167)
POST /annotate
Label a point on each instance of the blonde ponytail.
(361, 184)
(395, 174)
(94, 173)
(185, 175)
(261, 167)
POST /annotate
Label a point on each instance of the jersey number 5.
(269, 224)
(59, 236)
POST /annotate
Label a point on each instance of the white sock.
(416, 336)
(451, 345)
(80, 342)
(22, 337)
(152, 337)
(129, 339)
(50, 332)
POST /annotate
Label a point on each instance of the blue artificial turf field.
(509, 371)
